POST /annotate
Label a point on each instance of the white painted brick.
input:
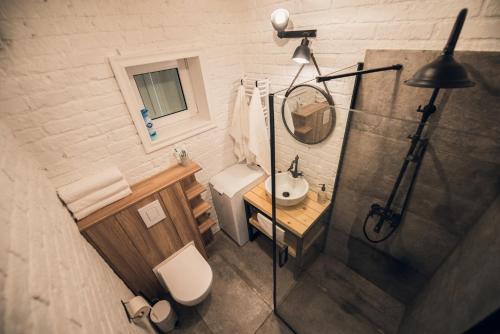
(404, 31)
(48, 260)
(492, 8)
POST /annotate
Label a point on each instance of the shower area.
(435, 270)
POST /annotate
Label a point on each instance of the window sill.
(178, 131)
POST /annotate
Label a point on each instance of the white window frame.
(171, 128)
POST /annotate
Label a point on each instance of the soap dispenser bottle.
(322, 198)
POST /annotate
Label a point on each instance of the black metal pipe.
(319, 72)
(273, 192)
(455, 33)
(428, 110)
(297, 33)
(395, 67)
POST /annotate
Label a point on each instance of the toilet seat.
(186, 275)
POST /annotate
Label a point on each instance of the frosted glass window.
(161, 92)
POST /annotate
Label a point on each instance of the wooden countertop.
(140, 191)
(298, 219)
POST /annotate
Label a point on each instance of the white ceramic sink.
(289, 191)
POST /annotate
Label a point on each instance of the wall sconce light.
(279, 20)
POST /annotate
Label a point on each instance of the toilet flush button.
(152, 213)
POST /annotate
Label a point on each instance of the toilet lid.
(186, 274)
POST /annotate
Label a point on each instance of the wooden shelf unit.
(205, 223)
(194, 190)
(291, 248)
(199, 207)
(305, 224)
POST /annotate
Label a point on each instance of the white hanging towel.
(239, 125)
(258, 139)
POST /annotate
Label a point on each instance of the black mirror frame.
(328, 98)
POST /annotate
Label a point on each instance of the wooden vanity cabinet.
(120, 236)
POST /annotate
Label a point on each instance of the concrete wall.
(51, 279)
(465, 288)
(460, 174)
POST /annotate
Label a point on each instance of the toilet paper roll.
(137, 307)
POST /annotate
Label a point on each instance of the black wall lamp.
(302, 54)
(279, 20)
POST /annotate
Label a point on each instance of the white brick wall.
(59, 95)
(51, 279)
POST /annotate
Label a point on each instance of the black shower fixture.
(443, 72)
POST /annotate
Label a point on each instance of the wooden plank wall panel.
(114, 242)
(156, 243)
(166, 233)
(180, 213)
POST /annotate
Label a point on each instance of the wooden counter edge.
(140, 190)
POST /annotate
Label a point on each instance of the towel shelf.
(206, 224)
(194, 190)
(291, 248)
(200, 208)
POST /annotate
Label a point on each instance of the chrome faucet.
(294, 168)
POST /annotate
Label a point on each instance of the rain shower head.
(444, 71)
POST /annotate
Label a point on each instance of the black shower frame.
(352, 105)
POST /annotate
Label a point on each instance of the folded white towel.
(113, 198)
(97, 196)
(74, 191)
(267, 226)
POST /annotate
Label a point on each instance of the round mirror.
(308, 113)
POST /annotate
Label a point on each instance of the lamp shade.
(443, 72)
(302, 54)
(279, 19)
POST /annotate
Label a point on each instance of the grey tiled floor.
(328, 298)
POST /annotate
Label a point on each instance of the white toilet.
(186, 275)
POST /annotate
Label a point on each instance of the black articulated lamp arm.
(395, 67)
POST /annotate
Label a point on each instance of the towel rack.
(250, 82)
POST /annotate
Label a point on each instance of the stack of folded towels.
(94, 192)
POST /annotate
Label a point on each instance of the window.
(173, 91)
(161, 92)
